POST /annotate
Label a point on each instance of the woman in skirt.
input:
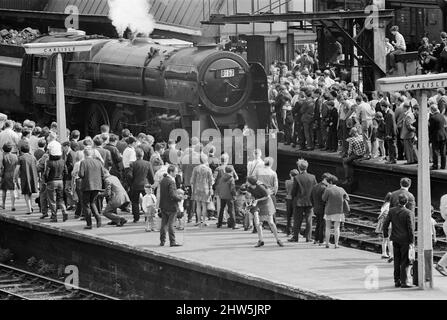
(28, 175)
(379, 229)
(9, 174)
(202, 187)
(335, 198)
(263, 209)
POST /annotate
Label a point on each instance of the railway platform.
(368, 174)
(296, 271)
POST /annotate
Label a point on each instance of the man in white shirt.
(442, 264)
(327, 79)
(366, 114)
(54, 147)
(129, 156)
(400, 47)
(256, 164)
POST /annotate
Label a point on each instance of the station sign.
(57, 47)
(412, 83)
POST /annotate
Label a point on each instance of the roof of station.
(186, 14)
(177, 12)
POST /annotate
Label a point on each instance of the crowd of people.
(316, 109)
(97, 176)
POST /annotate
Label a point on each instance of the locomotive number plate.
(227, 73)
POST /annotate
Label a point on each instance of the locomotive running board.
(144, 101)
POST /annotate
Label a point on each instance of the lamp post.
(421, 83)
(58, 49)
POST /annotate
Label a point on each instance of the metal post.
(424, 241)
(60, 100)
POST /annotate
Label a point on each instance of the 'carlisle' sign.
(57, 47)
(425, 82)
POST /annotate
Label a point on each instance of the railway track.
(358, 230)
(16, 284)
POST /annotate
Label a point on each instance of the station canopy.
(175, 17)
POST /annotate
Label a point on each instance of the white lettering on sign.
(40, 90)
(425, 85)
(58, 50)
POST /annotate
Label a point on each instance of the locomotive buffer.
(59, 48)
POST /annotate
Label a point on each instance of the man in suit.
(99, 141)
(297, 106)
(156, 158)
(408, 134)
(105, 154)
(301, 192)
(117, 159)
(69, 154)
(402, 235)
(91, 172)
(438, 137)
(390, 131)
(307, 118)
(141, 174)
(168, 206)
(317, 132)
(116, 198)
(316, 199)
(405, 185)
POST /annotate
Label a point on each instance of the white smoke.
(132, 14)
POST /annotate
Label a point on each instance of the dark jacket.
(69, 162)
(437, 128)
(91, 172)
(302, 189)
(147, 149)
(402, 222)
(317, 109)
(316, 198)
(121, 145)
(390, 125)
(226, 187)
(307, 111)
(324, 111)
(55, 170)
(141, 174)
(394, 202)
(168, 195)
(333, 119)
(106, 156)
(117, 160)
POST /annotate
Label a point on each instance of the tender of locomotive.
(142, 84)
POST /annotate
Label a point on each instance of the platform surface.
(336, 273)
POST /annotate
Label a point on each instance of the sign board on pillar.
(424, 237)
(412, 83)
(57, 47)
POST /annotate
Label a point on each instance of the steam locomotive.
(142, 84)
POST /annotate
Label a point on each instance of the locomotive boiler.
(146, 85)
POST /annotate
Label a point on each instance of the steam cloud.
(132, 14)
